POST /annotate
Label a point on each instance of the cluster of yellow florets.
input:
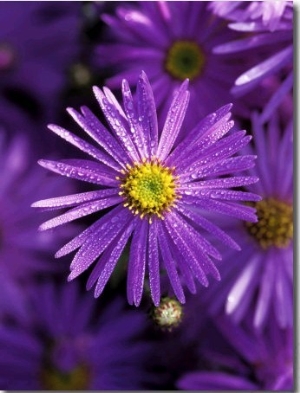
(149, 188)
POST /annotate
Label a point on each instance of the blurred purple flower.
(158, 191)
(239, 358)
(263, 274)
(268, 25)
(22, 247)
(66, 345)
(261, 14)
(171, 41)
(38, 42)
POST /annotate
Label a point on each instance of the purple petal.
(199, 220)
(83, 170)
(91, 249)
(246, 213)
(92, 126)
(137, 263)
(173, 121)
(147, 111)
(75, 199)
(224, 167)
(170, 265)
(153, 263)
(110, 258)
(187, 252)
(81, 211)
(84, 146)
(239, 289)
(117, 124)
(85, 235)
(135, 127)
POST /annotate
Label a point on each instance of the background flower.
(164, 39)
(66, 345)
(262, 276)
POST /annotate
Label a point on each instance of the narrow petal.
(117, 124)
(153, 263)
(110, 258)
(75, 199)
(173, 121)
(265, 294)
(236, 181)
(84, 146)
(220, 194)
(83, 170)
(170, 264)
(95, 129)
(92, 248)
(77, 241)
(239, 289)
(137, 263)
(199, 245)
(267, 67)
(199, 221)
(81, 211)
(185, 250)
(187, 275)
(242, 212)
(135, 127)
(223, 167)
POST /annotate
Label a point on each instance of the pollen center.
(185, 59)
(275, 223)
(54, 379)
(149, 188)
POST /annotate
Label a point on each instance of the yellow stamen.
(77, 379)
(149, 188)
(275, 223)
(185, 59)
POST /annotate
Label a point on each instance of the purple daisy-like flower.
(23, 250)
(263, 275)
(64, 344)
(240, 358)
(158, 191)
(171, 41)
(268, 25)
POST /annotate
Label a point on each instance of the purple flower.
(158, 191)
(266, 14)
(23, 250)
(262, 276)
(37, 45)
(66, 345)
(240, 358)
(268, 25)
(171, 41)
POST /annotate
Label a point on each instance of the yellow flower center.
(275, 223)
(54, 379)
(149, 188)
(185, 59)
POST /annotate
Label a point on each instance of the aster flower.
(238, 358)
(269, 25)
(164, 39)
(37, 44)
(21, 247)
(65, 345)
(156, 190)
(262, 277)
